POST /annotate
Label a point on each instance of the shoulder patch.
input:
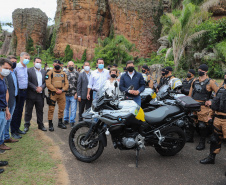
(47, 77)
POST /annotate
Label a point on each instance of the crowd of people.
(67, 86)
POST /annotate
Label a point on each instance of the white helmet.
(175, 83)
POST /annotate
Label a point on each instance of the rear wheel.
(84, 151)
(173, 143)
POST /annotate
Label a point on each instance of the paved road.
(118, 167)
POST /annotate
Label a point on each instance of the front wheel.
(173, 143)
(88, 151)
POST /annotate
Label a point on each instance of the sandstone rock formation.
(29, 22)
(80, 23)
(5, 50)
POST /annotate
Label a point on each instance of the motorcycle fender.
(103, 138)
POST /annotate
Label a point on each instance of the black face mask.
(71, 68)
(14, 65)
(130, 69)
(201, 73)
(57, 67)
(166, 72)
(189, 75)
(143, 71)
(109, 68)
(96, 67)
(113, 75)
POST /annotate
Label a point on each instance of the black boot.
(209, 160)
(190, 134)
(51, 129)
(201, 145)
(61, 124)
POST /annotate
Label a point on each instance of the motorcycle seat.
(159, 114)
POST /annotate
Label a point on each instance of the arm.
(8, 115)
(151, 83)
(66, 84)
(122, 87)
(191, 89)
(43, 86)
(79, 85)
(141, 84)
(30, 84)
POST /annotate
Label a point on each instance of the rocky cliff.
(29, 22)
(80, 23)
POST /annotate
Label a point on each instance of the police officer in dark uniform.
(147, 77)
(186, 84)
(218, 105)
(201, 90)
(162, 78)
(57, 83)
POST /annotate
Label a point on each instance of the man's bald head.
(70, 64)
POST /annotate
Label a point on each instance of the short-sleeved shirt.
(3, 90)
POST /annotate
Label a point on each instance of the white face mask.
(5, 72)
(87, 68)
(38, 65)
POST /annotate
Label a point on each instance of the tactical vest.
(219, 102)
(199, 90)
(58, 79)
(186, 85)
(167, 79)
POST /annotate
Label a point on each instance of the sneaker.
(2, 151)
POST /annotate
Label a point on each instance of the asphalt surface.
(118, 167)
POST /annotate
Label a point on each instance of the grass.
(29, 162)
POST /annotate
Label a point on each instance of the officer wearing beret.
(186, 84)
(201, 91)
(57, 84)
(218, 105)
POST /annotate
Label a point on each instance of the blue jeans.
(2, 126)
(7, 126)
(94, 94)
(137, 99)
(70, 102)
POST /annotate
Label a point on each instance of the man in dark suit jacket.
(82, 87)
(35, 94)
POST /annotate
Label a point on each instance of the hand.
(88, 96)
(75, 96)
(208, 103)
(131, 91)
(7, 114)
(38, 89)
(136, 92)
(79, 99)
(58, 91)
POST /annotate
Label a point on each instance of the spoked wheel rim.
(77, 139)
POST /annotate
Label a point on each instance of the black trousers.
(38, 102)
(84, 104)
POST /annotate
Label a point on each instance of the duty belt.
(3, 109)
(220, 116)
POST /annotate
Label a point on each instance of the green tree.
(30, 45)
(84, 56)
(68, 54)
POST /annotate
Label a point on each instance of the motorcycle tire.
(176, 146)
(80, 151)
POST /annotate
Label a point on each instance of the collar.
(37, 70)
(20, 65)
(134, 72)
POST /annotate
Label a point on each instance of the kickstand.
(137, 156)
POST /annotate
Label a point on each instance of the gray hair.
(86, 62)
(24, 53)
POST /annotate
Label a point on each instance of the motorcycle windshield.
(99, 96)
(163, 91)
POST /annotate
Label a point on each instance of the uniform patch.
(216, 84)
(47, 77)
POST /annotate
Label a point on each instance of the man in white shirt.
(35, 94)
(97, 78)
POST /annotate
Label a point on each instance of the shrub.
(68, 54)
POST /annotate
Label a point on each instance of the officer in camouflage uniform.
(186, 84)
(71, 95)
(218, 104)
(57, 83)
(201, 91)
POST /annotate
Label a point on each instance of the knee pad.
(202, 125)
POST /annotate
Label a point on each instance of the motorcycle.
(129, 126)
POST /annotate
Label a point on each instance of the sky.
(8, 6)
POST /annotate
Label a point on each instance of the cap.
(145, 67)
(168, 68)
(163, 70)
(203, 67)
(57, 61)
(115, 65)
(192, 71)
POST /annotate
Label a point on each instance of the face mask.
(38, 65)
(166, 72)
(130, 69)
(5, 72)
(86, 68)
(57, 67)
(71, 68)
(113, 75)
(109, 68)
(26, 61)
(189, 75)
(14, 65)
(163, 74)
(143, 71)
(201, 73)
(100, 66)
